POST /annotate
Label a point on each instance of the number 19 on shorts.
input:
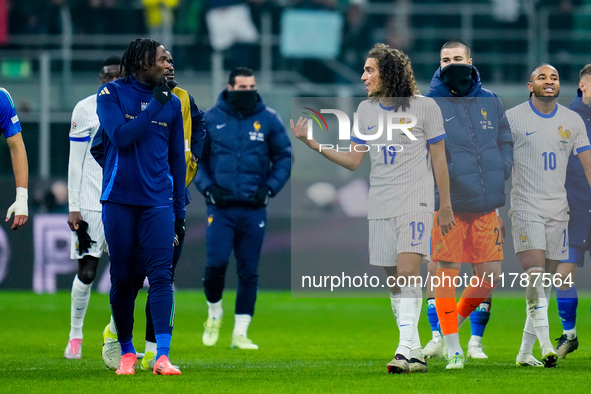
(417, 229)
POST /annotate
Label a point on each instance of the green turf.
(306, 345)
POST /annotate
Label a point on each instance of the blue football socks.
(479, 319)
(567, 307)
(162, 345)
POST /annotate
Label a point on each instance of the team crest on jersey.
(523, 237)
(74, 125)
(144, 105)
(438, 246)
(404, 138)
(564, 135)
(485, 123)
(256, 135)
(209, 220)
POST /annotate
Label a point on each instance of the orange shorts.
(476, 238)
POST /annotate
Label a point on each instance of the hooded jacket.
(478, 147)
(144, 158)
(243, 154)
(578, 191)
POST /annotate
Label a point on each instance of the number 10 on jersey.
(549, 161)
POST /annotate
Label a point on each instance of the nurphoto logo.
(388, 122)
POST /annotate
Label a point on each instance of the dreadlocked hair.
(396, 75)
(135, 55)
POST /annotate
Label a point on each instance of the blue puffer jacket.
(243, 154)
(578, 191)
(479, 145)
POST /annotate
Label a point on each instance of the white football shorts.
(96, 232)
(409, 233)
(531, 231)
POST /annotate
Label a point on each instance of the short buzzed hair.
(457, 44)
(585, 71)
(239, 72)
(536, 67)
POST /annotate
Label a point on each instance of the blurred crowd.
(234, 26)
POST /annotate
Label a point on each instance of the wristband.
(22, 193)
(19, 207)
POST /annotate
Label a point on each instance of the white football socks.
(241, 323)
(395, 303)
(214, 309)
(411, 300)
(475, 340)
(80, 297)
(570, 334)
(151, 347)
(453, 344)
(112, 326)
(537, 308)
(528, 340)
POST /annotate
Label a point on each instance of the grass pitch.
(306, 345)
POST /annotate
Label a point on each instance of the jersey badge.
(485, 123)
(404, 138)
(256, 135)
(523, 237)
(564, 134)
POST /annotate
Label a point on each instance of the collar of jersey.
(392, 108)
(139, 85)
(541, 114)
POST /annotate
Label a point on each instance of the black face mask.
(457, 77)
(243, 101)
